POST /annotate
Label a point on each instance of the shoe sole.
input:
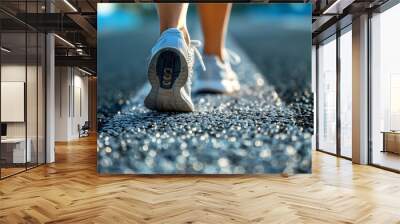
(168, 74)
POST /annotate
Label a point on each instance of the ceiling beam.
(81, 61)
(89, 30)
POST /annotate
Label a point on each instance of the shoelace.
(232, 56)
(194, 45)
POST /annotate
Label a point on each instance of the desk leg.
(384, 143)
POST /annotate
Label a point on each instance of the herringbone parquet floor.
(70, 191)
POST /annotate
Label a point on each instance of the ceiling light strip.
(70, 5)
(84, 71)
(64, 40)
(5, 50)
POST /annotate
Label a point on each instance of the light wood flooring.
(70, 191)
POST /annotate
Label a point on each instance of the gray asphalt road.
(253, 131)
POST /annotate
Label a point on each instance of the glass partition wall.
(13, 90)
(327, 95)
(22, 98)
(334, 90)
(345, 91)
(385, 89)
(334, 94)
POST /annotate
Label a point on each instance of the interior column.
(360, 90)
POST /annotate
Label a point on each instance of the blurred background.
(276, 37)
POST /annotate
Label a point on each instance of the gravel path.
(250, 132)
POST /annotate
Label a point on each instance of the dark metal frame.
(387, 5)
(316, 112)
(338, 153)
(338, 98)
(369, 113)
(0, 90)
(340, 32)
(317, 96)
(45, 89)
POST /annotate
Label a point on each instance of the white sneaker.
(219, 76)
(169, 72)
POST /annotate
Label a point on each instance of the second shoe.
(219, 76)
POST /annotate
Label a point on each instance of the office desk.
(13, 150)
(391, 141)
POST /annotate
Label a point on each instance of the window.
(346, 93)
(327, 96)
(385, 89)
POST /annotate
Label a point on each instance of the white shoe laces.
(194, 45)
(232, 56)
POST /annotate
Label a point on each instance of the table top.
(391, 132)
(13, 140)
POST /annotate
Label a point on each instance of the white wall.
(13, 100)
(71, 93)
(61, 103)
(80, 89)
(33, 126)
(15, 73)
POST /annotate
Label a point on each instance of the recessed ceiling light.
(65, 41)
(84, 71)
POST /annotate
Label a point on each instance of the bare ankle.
(185, 34)
(218, 53)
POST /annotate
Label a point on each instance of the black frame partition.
(340, 100)
(27, 53)
(338, 29)
(335, 36)
(329, 38)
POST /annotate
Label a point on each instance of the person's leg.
(214, 19)
(173, 15)
(218, 77)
